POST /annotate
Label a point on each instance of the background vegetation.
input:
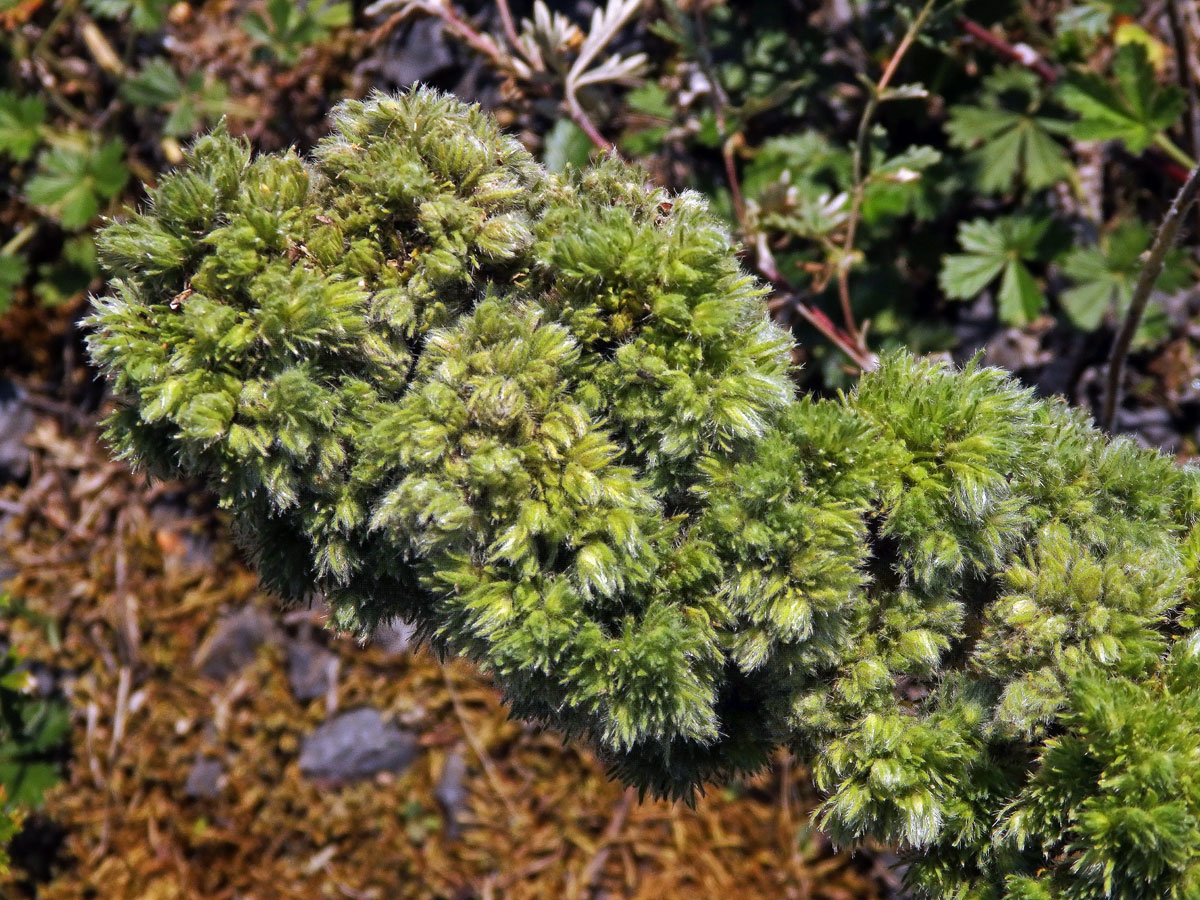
(948, 177)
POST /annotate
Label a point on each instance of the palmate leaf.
(189, 102)
(1131, 106)
(1104, 275)
(32, 729)
(21, 121)
(289, 27)
(998, 249)
(72, 183)
(1011, 144)
(157, 84)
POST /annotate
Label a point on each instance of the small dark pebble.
(356, 745)
(396, 637)
(312, 670)
(234, 642)
(16, 422)
(451, 791)
(206, 778)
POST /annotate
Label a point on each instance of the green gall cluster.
(547, 419)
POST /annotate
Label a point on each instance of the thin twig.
(786, 297)
(510, 26)
(858, 163)
(1163, 241)
(1021, 54)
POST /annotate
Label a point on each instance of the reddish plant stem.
(510, 25)
(1020, 54)
(588, 127)
(858, 161)
(1025, 56)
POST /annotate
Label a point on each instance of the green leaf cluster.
(33, 730)
(546, 418)
(189, 102)
(1000, 248)
(1012, 142)
(1131, 107)
(1104, 275)
(143, 15)
(287, 27)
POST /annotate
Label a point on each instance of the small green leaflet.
(289, 27)
(21, 120)
(13, 270)
(566, 145)
(189, 102)
(893, 185)
(998, 249)
(1104, 275)
(72, 182)
(806, 156)
(1131, 106)
(1093, 18)
(144, 15)
(31, 730)
(1011, 144)
(70, 274)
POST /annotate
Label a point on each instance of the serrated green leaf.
(1104, 276)
(70, 274)
(1011, 144)
(26, 783)
(157, 84)
(21, 120)
(894, 183)
(290, 27)
(1093, 18)
(998, 248)
(1020, 299)
(71, 183)
(1130, 106)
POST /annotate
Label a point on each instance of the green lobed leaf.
(21, 121)
(71, 182)
(999, 248)
(1130, 106)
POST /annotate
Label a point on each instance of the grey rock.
(451, 792)
(205, 780)
(16, 422)
(1152, 427)
(312, 670)
(234, 642)
(355, 745)
(396, 637)
(423, 54)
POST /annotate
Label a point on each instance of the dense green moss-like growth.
(548, 420)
